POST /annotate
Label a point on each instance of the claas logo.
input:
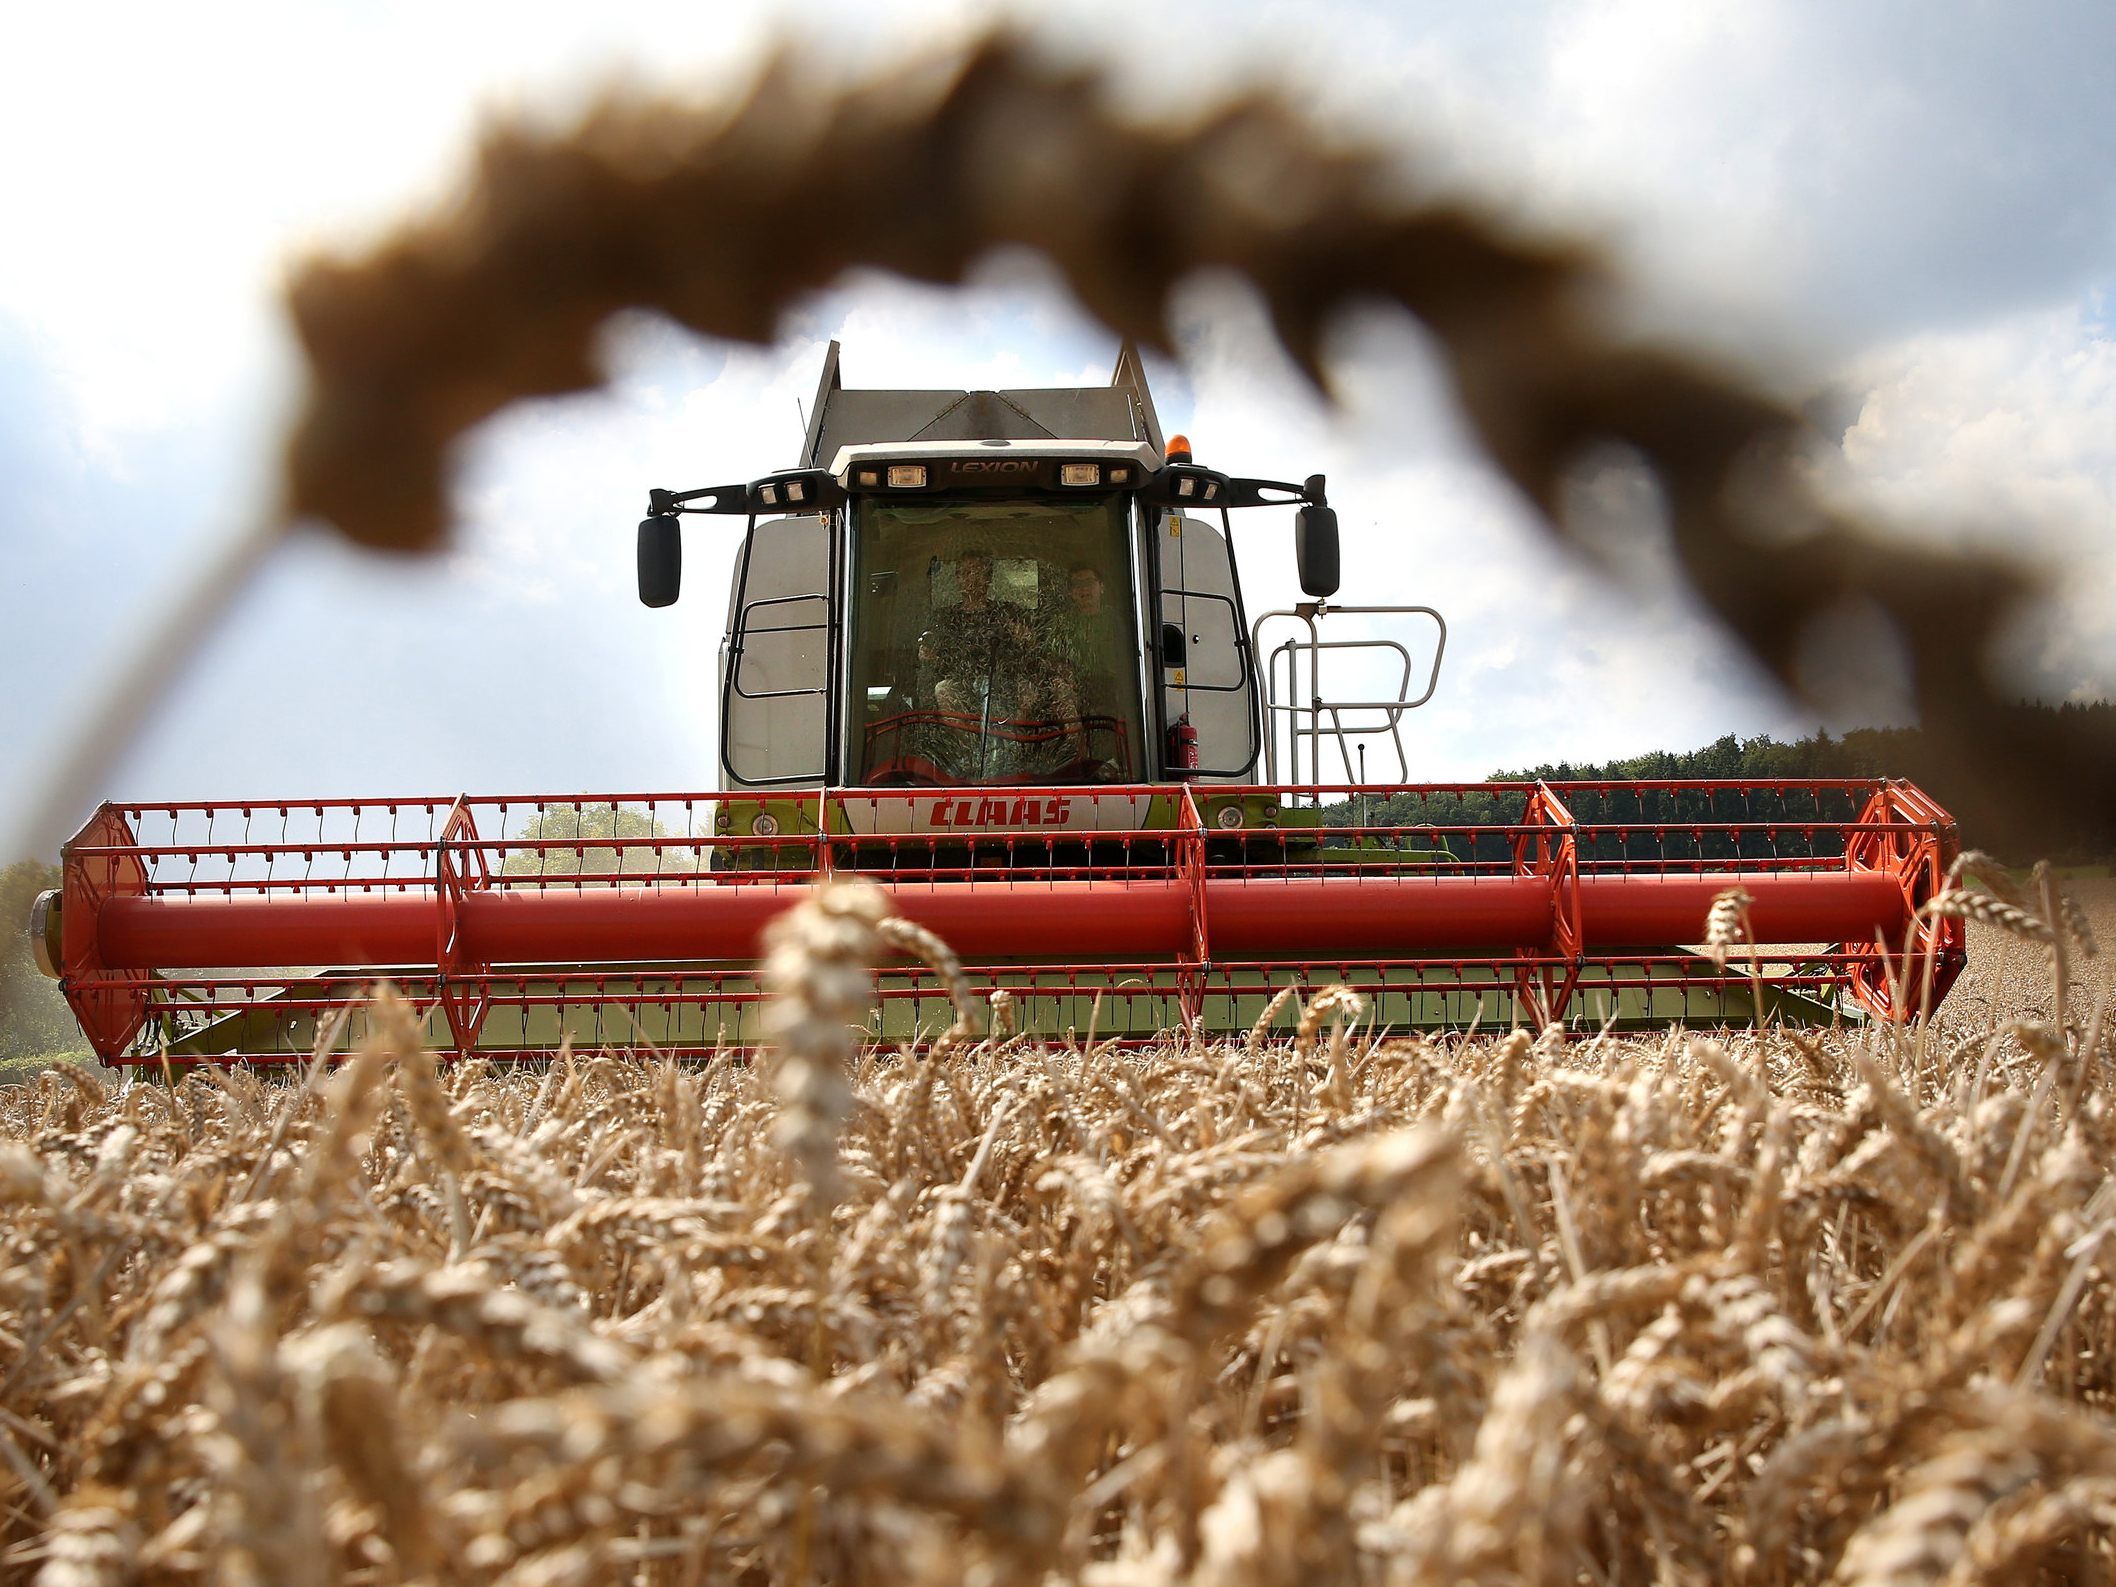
(1041, 812)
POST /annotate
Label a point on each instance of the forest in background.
(2063, 828)
(34, 1021)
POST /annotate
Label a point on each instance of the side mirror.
(1315, 549)
(660, 560)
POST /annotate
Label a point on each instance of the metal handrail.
(1316, 707)
(1336, 708)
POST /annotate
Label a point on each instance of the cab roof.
(1121, 411)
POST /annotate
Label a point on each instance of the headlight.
(765, 825)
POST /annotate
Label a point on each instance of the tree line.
(2060, 827)
(34, 1019)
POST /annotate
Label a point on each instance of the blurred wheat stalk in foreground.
(1314, 1308)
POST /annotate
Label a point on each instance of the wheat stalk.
(1775, 1308)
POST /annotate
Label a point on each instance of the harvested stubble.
(1313, 1308)
(2007, 975)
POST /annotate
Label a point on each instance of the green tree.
(590, 830)
(34, 1019)
(2064, 827)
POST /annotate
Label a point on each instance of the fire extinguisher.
(1183, 746)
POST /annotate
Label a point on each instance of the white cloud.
(2006, 433)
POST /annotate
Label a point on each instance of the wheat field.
(1325, 1306)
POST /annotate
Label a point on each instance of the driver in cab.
(979, 648)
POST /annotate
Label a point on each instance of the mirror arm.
(668, 503)
(1208, 489)
(796, 490)
(1276, 493)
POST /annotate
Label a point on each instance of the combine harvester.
(989, 648)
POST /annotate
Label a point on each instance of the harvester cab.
(991, 649)
(993, 589)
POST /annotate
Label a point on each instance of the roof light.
(869, 476)
(1179, 449)
(796, 490)
(1118, 476)
(907, 476)
(768, 494)
(1079, 473)
(1186, 486)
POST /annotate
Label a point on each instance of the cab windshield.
(993, 642)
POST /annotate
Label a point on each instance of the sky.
(1908, 207)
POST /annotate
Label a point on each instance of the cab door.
(775, 660)
(1203, 647)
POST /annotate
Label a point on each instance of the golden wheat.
(1330, 1307)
